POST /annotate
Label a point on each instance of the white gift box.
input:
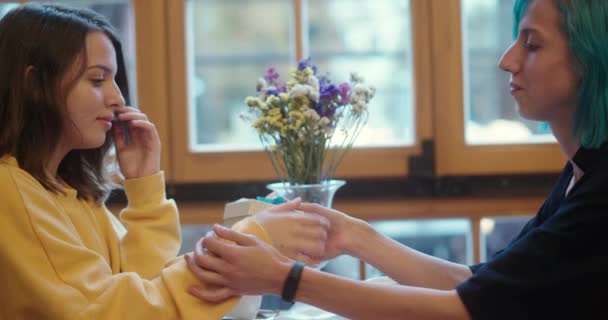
(249, 306)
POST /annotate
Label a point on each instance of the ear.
(32, 83)
(29, 72)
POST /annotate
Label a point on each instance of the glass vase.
(321, 193)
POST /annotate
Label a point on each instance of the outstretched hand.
(232, 264)
(141, 157)
(298, 235)
(343, 231)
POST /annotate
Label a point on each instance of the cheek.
(557, 83)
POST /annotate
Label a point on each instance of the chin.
(528, 115)
(94, 144)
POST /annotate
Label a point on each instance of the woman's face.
(544, 80)
(91, 100)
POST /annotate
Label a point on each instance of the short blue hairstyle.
(585, 23)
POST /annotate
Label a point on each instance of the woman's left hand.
(141, 157)
(296, 234)
(246, 265)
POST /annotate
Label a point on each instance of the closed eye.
(531, 47)
(97, 82)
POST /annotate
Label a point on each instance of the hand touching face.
(92, 103)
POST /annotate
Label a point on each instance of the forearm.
(153, 237)
(361, 300)
(405, 265)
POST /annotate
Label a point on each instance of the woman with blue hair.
(554, 269)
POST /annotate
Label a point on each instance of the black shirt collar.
(590, 159)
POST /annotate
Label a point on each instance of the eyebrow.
(100, 66)
(531, 31)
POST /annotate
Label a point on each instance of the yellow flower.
(274, 101)
(299, 102)
(251, 101)
(284, 97)
(274, 112)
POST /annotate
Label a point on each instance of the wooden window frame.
(189, 167)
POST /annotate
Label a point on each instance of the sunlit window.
(230, 44)
(374, 39)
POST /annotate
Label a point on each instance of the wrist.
(145, 191)
(281, 276)
(361, 236)
(292, 282)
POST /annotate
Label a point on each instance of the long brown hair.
(38, 45)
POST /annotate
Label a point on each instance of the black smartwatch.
(293, 280)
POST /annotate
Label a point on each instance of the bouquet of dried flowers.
(308, 124)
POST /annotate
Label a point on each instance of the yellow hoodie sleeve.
(47, 272)
(153, 235)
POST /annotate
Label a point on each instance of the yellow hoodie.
(64, 258)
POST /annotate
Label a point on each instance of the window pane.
(120, 14)
(448, 239)
(491, 115)
(230, 45)
(342, 40)
(497, 233)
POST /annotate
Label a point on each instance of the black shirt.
(557, 267)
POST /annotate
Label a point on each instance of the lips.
(107, 118)
(106, 121)
(515, 87)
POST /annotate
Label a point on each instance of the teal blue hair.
(585, 23)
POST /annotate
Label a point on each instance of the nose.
(115, 98)
(510, 60)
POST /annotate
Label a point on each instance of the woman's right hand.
(345, 232)
(296, 234)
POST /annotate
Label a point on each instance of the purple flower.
(327, 90)
(305, 63)
(344, 89)
(272, 92)
(271, 76)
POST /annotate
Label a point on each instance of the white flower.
(355, 78)
(359, 108)
(314, 96)
(311, 114)
(297, 91)
(261, 85)
(300, 90)
(323, 122)
(360, 89)
(313, 82)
